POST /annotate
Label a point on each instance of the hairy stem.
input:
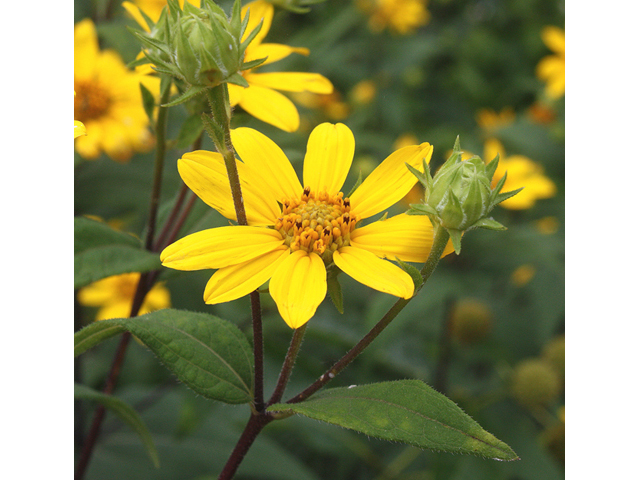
(287, 365)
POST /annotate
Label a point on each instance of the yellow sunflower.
(114, 296)
(260, 99)
(551, 68)
(295, 232)
(108, 100)
(400, 16)
(522, 172)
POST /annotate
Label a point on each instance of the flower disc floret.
(318, 224)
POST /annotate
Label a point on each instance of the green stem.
(287, 365)
(441, 236)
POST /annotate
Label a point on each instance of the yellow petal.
(374, 272)
(298, 286)
(236, 92)
(390, 181)
(261, 154)
(328, 159)
(493, 147)
(220, 247)
(553, 38)
(134, 11)
(237, 281)
(85, 50)
(258, 10)
(78, 129)
(205, 173)
(292, 81)
(273, 52)
(407, 237)
(271, 107)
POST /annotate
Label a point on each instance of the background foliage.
(471, 55)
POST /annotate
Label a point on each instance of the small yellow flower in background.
(547, 225)
(489, 119)
(108, 100)
(363, 92)
(114, 296)
(523, 275)
(405, 140)
(399, 16)
(330, 104)
(551, 68)
(260, 99)
(295, 232)
(151, 8)
(522, 172)
(541, 113)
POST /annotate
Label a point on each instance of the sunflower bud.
(460, 197)
(200, 46)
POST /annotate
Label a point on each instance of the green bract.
(200, 46)
(460, 196)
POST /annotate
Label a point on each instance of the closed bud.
(201, 46)
(459, 197)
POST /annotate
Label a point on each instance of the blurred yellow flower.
(551, 68)
(330, 104)
(521, 172)
(108, 100)
(114, 295)
(400, 16)
(547, 225)
(523, 275)
(260, 99)
(363, 92)
(151, 8)
(295, 232)
(489, 119)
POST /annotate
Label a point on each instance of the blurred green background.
(487, 329)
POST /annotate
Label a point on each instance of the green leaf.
(192, 91)
(100, 252)
(95, 333)
(407, 411)
(413, 272)
(127, 414)
(148, 102)
(335, 290)
(191, 129)
(208, 354)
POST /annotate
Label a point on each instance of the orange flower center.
(91, 101)
(318, 223)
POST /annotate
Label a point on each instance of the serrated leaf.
(208, 354)
(127, 414)
(101, 262)
(100, 252)
(95, 333)
(190, 131)
(407, 411)
(89, 233)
